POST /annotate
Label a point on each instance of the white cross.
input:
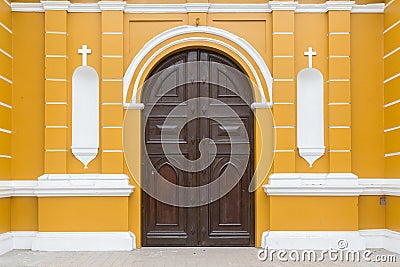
(84, 51)
(310, 54)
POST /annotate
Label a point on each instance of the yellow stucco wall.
(393, 213)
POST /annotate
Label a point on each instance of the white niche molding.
(85, 111)
(310, 112)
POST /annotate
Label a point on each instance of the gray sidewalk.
(175, 257)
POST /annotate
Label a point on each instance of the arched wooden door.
(228, 221)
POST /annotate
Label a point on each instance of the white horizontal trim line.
(56, 127)
(338, 33)
(338, 103)
(5, 53)
(84, 7)
(289, 56)
(111, 103)
(56, 79)
(6, 28)
(5, 105)
(391, 26)
(112, 33)
(392, 103)
(112, 127)
(112, 150)
(283, 33)
(283, 103)
(391, 53)
(54, 32)
(284, 127)
(5, 79)
(391, 78)
(283, 150)
(338, 80)
(391, 129)
(377, 8)
(338, 56)
(283, 79)
(389, 3)
(56, 150)
(339, 151)
(5, 131)
(112, 80)
(392, 154)
(339, 127)
(112, 56)
(56, 103)
(6, 156)
(56, 56)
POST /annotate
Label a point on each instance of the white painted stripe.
(391, 53)
(55, 32)
(283, 150)
(391, 129)
(56, 150)
(338, 56)
(282, 33)
(111, 103)
(56, 79)
(6, 156)
(56, 127)
(7, 3)
(112, 56)
(112, 33)
(283, 80)
(6, 28)
(391, 78)
(392, 103)
(5, 105)
(5, 53)
(112, 151)
(112, 80)
(283, 56)
(112, 127)
(339, 151)
(338, 103)
(5, 79)
(391, 26)
(338, 80)
(392, 154)
(5, 131)
(283, 103)
(56, 103)
(284, 127)
(56, 56)
(389, 3)
(339, 33)
(339, 127)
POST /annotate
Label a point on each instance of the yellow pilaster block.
(5, 117)
(284, 114)
(339, 44)
(339, 115)
(112, 162)
(339, 68)
(340, 161)
(111, 138)
(339, 21)
(284, 92)
(112, 44)
(283, 44)
(5, 143)
(339, 92)
(5, 92)
(283, 21)
(283, 67)
(112, 68)
(55, 20)
(5, 168)
(284, 161)
(55, 162)
(56, 114)
(339, 139)
(56, 67)
(56, 91)
(55, 138)
(284, 138)
(56, 43)
(111, 91)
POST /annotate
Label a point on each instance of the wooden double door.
(228, 221)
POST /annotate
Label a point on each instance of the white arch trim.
(192, 29)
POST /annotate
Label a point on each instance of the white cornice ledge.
(369, 8)
(282, 5)
(112, 5)
(55, 5)
(329, 184)
(340, 5)
(84, 8)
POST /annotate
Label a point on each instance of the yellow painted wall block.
(5, 14)
(5, 214)
(24, 214)
(5, 118)
(339, 21)
(194, 18)
(111, 115)
(285, 138)
(393, 213)
(283, 21)
(392, 14)
(339, 91)
(392, 65)
(371, 215)
(284, 92)
(112, 162)
(5, 38)
(83, 214)
(392, 143)
(339, 44)
(284, 162)
(55, 138)
(392, 92)
(111, 92)
(5, 143)
(340, 162)
(339, 68)
(5, 169)
(112, 68)
(112, 44)
(284, 114)
(282, 44)
(56, 91)
(5, 66)
(5, 92)
(392, 116)
(392, 39)
(56, 68)
(111, 138)
(56, 21)
(112, 21)
(313, 213)
(392, 164)
(55, 162)
(56, 44)
(339, 115)
(283, 67)
(56, 115)
(340, 139)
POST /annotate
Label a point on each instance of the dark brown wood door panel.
(228, 221)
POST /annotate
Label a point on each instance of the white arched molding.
(181, 30)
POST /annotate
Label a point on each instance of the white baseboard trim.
(67, 241)
(321, 240)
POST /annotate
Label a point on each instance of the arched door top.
(182, 30)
